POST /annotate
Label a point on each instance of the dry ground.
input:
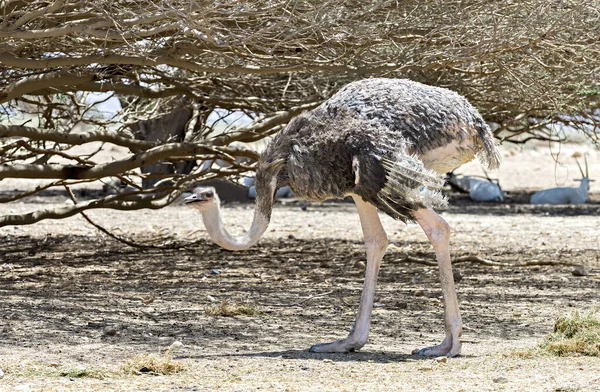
(75, 305)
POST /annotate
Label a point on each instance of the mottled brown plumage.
(391, 126)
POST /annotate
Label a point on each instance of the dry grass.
(521, 354)
(231, 309)
(81, 372)
(153, 364)
(575, 334)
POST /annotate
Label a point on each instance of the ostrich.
(387, 144)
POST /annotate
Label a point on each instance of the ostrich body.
(386, 143)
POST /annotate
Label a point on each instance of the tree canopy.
(183, 64)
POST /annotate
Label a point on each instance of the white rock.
(176, 346)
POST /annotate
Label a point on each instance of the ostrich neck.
(214, 225)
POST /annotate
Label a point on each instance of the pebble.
(176, 346)
(580, 270)
(360, 265)
(457, 276)
(500, 380)
(442, 359)
(110, 331)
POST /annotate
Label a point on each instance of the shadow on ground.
(65, 290)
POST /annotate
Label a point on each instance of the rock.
(176, 346)
(110, 331)
(360, 265)
(442, 359)
(500, 380)
(580, 270)
(214, 271)
(419, 293)
(457, 276)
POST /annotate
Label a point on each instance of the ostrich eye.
(208, 194)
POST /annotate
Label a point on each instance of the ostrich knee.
(437, 231)
(376, 244)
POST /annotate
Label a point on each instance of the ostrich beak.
(201, 195)
(192, 199)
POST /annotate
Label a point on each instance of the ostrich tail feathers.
(410, 184)
(488, 153)
(409, 169)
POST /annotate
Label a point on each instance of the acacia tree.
(524, 64)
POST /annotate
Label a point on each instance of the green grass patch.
(575, 334)
(231, 309)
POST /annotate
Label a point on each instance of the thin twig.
(124, 240)
(300, 302)
(486, 262)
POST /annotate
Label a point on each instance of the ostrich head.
(203, 198)
(206, 201)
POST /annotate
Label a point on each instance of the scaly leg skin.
(438, 232)
(376, 244)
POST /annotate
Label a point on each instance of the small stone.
(419, 293)
(580, 270)
(110, 331)
(211, 298)
(214, 271)
(176, 346)
(360, 265)
(500, 380)
(441, 359)
(326, 360)
(457, 276)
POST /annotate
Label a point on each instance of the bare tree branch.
(185, 79)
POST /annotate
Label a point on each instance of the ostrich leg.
(438, 232)
(376, 244)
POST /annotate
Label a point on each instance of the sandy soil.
(76, 305)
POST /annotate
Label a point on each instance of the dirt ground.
(76, 305)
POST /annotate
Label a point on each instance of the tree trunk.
(168, 128)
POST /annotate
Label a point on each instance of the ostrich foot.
(450, 346)
(339, 346)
